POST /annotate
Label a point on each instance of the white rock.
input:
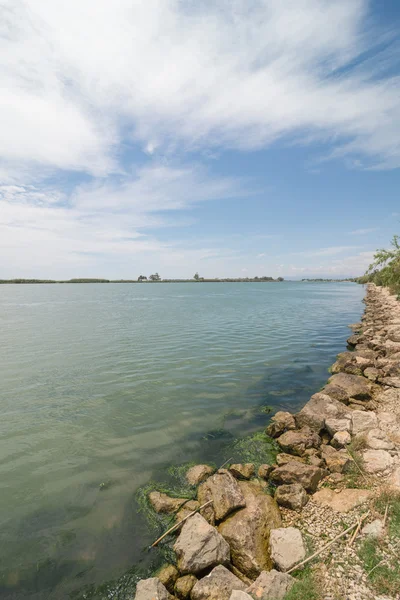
(335, 425)
(287, 547)
(341, 439)
(374, 529)
(376, 440)
(151, 589)
(362, 421)
(376, 461)
(271, 585)
(238, 595)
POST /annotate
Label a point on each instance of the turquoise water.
(109, 384)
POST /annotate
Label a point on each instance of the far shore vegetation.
(143, 279)
(385, 269)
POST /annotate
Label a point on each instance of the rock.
(392, 348)
(317, 409)
(236, 595)
(376, 440)
(184, 586)
(372, 373)
(337, 461)
(283, 459)
(391, 381)
(247, 531)
(200, 546)
(198, 473)
(355, 326)
(335, 425)
(336, 393)
(287, 547)
(393, 334)
(264, 471)
(374, 529)
(354, 339)
(280, 422)
(315, 461)
(307, 475)
(341, 439)
(354, 385)
(271, 585)
(168, 575)
(151, 589)
(296, 442)
(218, 585)
(291, 496)
(165, 504)
(240, 471)
(186, 509)
(342, 501)
(362, 421)
(376, 461)
(225, 492)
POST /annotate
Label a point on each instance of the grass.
(257, 448)
(381, 557)
(305, 588)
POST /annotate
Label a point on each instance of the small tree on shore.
(196, 277)
(155, 277)
(142, 278)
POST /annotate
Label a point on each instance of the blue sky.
(232, 138)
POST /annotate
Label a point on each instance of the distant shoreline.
(202, 280)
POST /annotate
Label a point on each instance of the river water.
(103, 386)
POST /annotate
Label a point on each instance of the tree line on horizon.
(385, 268)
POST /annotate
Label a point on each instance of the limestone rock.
(218, 585)
(168, 575)
(391, 381)
(198, 473)
(376, 439)
(264, 471)
(343, 501)
(318, 408)
(237, 595)
(337, 461)
(376, 461)
(374, 529)
(162, 503)
(336, 393)
(354, 385)
(335, 425)
(151, 589)
(186, 509)
(341, 439)
(225, 492)
(296, 442)
(184, 586)
(280, 422)
(287, 547)
(307, 475)
(362, 421)
(271, 585)
(200, 546)
(372, 373)
(240, 471)
(247, 531)
(282, 459)
(291, 496)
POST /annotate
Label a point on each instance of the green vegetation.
(385, 270)
(154, 278)
(257, 448)
(305, 588)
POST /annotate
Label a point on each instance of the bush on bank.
(385, 270)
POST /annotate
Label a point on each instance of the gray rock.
(198, 473)
(223, 489)
(374, 530)
(151, 589)
(376, 461)
(376, 439)
(294, 472)
(236, 595)
(271, 585)
(362, 421)
(200, 546)
(335, 425)
(247, 531)
(280, 422)
(291, 496)
(319, 408)
(287, 547)
(218, 585)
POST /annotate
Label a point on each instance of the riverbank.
(337, 468)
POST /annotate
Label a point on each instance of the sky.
(233, 138)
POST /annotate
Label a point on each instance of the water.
(109, 384)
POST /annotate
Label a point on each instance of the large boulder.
(291, 496)
(334, 425)
(151, 589)
(271, 585)
(296, 442)
(342, 501)
(280, 422)
(218, 585)
(376, 461)
(319, 408)
(354, 385)
(337, 461)
(247, 531)
(200, 546)
(376, 439)
(198, 473)
(223, 489)
(307, 475)
(363, 421)
(287, 547)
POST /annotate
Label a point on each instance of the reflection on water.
(103, 387)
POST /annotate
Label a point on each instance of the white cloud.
(81, 76)
(330, 251)
(363, 231)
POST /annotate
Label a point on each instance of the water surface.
(109, 384)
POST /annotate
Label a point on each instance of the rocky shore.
(323, 522)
